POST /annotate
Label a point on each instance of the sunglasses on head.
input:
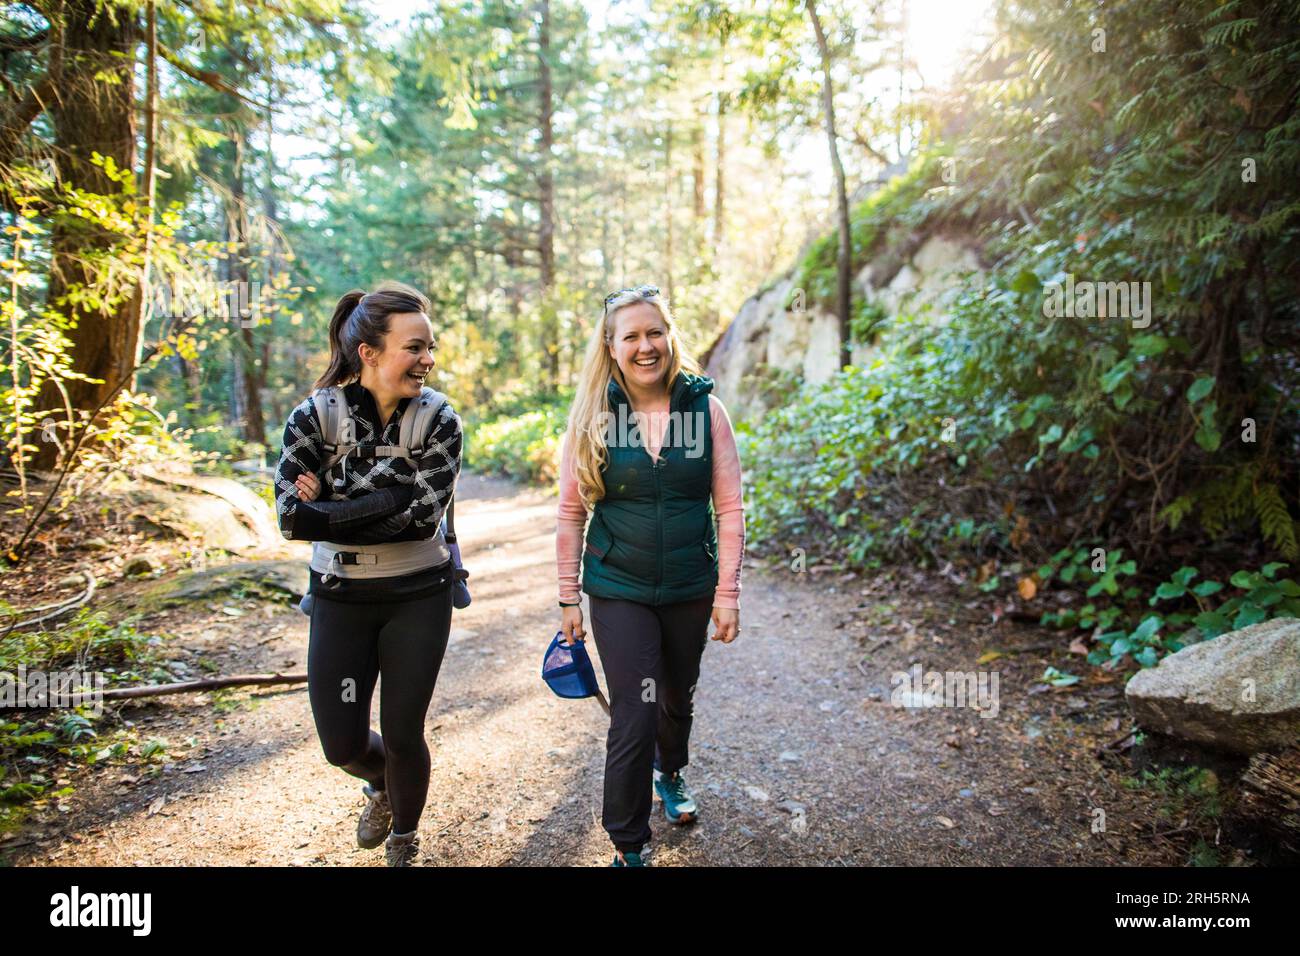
(643, 289)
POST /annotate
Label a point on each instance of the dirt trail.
(797, 755)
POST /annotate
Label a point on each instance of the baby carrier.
(338, 431)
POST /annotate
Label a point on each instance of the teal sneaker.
(679, 805)
(627, 859)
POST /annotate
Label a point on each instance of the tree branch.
(210, 78)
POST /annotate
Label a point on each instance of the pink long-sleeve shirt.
(571, 519)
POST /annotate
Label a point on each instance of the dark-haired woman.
(381, 571)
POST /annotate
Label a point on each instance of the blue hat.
(567, 670)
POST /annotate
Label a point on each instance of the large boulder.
(1239, 692)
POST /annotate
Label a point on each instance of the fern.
(1176, 511)
(1270, 225)
(1275, 521)
(1228, 34)
(1225, 500)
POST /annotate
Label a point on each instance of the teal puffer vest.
(651, 538)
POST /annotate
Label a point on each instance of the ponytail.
(364, 317)
(345, 364)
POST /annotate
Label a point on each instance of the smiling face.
(640, 345)
(398, 370)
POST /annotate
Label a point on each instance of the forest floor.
(797, 755)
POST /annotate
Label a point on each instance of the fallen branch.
(1029, 648)
(60, 608)
(1118, 740)
(208, 683)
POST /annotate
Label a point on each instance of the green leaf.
(1147, 345)
(1266, 595)
(1110, 381)
(1206, 588)
(1207, 436)
(1200, 388)
(1243, 579)
(1248, 615)
(1025, 281)
(1147, 629)
(1058, 678)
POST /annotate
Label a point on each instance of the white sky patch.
(940, 33)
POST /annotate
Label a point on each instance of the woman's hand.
(726, 621)
(308, 486)
(571, 625)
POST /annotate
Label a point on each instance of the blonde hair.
(585, 437)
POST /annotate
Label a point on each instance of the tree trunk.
(844, 253)
(604, 246)
(238, 298)
(719, 176)
(546, 190)
(90, 115)
(139, 303)
(271, 249)
(697, 172)
(190, 376)
(670, 201)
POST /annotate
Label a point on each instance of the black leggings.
(349, 647)
(651, 657)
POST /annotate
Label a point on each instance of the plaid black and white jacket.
(431, 480)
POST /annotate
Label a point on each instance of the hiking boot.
(376, 818)
(679, 805)
(627, 859)
(402, 850)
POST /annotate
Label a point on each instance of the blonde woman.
(647, 449)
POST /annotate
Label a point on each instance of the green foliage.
(770, 386)
(524, 446)
(89, 638)
(1199, 612)
(32, 743)
(868, 316)
(1006, 431)
(902, 205)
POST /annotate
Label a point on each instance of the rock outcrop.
(779, 339)
(1239, 692)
